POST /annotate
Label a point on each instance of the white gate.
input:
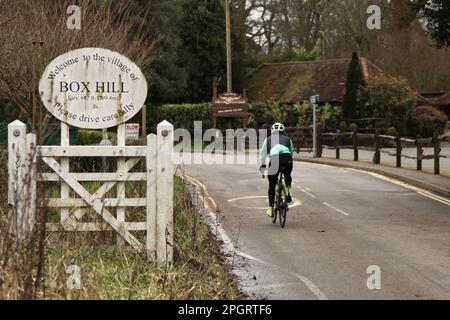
(23, 155)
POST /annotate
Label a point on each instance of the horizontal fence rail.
(376, 143)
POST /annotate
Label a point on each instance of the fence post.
(377, 154)
(398, 150)
(355, 145)
(419, 154)
(164, 194)
(437, 153)
(319, 141)
(337, 144)
(22, 180)
(151, 165)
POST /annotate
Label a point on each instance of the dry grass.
(113, 272)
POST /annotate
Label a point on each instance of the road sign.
(93, 88)
(132, 131)
(314, 99)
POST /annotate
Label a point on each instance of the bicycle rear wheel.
(282, 208)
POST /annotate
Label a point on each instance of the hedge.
(180, 115)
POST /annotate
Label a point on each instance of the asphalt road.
(347, 221)
(367, 156)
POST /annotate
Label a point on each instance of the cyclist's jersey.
(275, 145)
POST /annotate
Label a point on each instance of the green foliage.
(327, 115)
(390, 100)
(305, 114)
(343, 126)
(89, 137)
(391, 131)
(355, 82)
(277, 112)
(425, 120)
(260, 114)
(181, 115)
(167, 75)
(436, 15)
(352, 127)
(203, 49)
(9, 112)
(295, 55)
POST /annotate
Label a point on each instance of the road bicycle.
(281, 206)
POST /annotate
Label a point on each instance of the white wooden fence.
(23, 178)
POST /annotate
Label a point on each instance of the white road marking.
(275, 286)
(420, 191)
(336, 209)
(229, 246)
(245, 198)
(307, 192)
(295, 202)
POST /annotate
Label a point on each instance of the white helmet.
(278, 127)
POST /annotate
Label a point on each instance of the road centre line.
(307, 192)
(337, 209)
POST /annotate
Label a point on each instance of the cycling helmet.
(278, 127)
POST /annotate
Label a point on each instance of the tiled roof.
(294, 82)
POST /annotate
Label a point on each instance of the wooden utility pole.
(228, 30)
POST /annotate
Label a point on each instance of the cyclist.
(280, 150)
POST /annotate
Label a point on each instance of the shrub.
(425, 120)
(391, 131)
(181, 115)
(327, 115)
(304, 114)
(343, 126)
(277, 112)
(260, 114)
(390, 100)
(271, 112)
(353, 127)
(89, 137)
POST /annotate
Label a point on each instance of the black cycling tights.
(283, 164)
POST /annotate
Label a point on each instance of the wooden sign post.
(229, 104)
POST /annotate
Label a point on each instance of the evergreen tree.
(203, 50)
(355, 81)
(167, 74)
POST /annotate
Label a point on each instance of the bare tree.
(32, 33)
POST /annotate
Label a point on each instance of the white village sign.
(95, 88)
